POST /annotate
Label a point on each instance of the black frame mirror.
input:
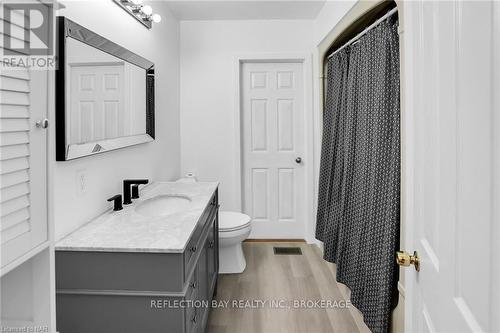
(65, 151)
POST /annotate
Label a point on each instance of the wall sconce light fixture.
(142, 13)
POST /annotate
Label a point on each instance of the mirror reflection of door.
(97, 94)
(106, 96)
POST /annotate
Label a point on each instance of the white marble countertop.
(129, 231)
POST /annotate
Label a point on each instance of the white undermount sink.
(163, 205)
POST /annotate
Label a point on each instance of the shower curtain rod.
(362, 33)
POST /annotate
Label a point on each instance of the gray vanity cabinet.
(120, 292)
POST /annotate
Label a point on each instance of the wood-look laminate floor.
(283, 279)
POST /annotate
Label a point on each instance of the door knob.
(405, 259)
(298, 160)
(42, 123)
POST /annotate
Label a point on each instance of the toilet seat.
(233, 221)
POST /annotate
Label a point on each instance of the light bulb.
(147, 10)
(156, 18)
(136, 2)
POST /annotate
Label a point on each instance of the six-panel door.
(272, 114)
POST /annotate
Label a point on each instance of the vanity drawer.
(82, 312)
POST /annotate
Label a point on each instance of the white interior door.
(450, 173)
(272, 104)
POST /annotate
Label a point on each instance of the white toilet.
(234, 228)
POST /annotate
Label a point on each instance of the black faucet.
(117, 202)
(127, 196)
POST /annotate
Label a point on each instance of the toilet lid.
(233, 220)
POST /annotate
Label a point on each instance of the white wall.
(329, 16)
(496, 100)
(158, 160)
(208, 50)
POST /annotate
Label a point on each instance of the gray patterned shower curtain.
(359, 182)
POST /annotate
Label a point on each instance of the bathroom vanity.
(151, 267)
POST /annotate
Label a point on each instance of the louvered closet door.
(23, 207)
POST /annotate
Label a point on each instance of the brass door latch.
(405, 259)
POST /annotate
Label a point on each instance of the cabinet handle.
(211, 244)
(193, 248)
(194, 284)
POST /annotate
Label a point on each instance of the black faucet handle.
(135, 191)
(117, 202)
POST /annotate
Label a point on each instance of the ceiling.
(245, 10)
